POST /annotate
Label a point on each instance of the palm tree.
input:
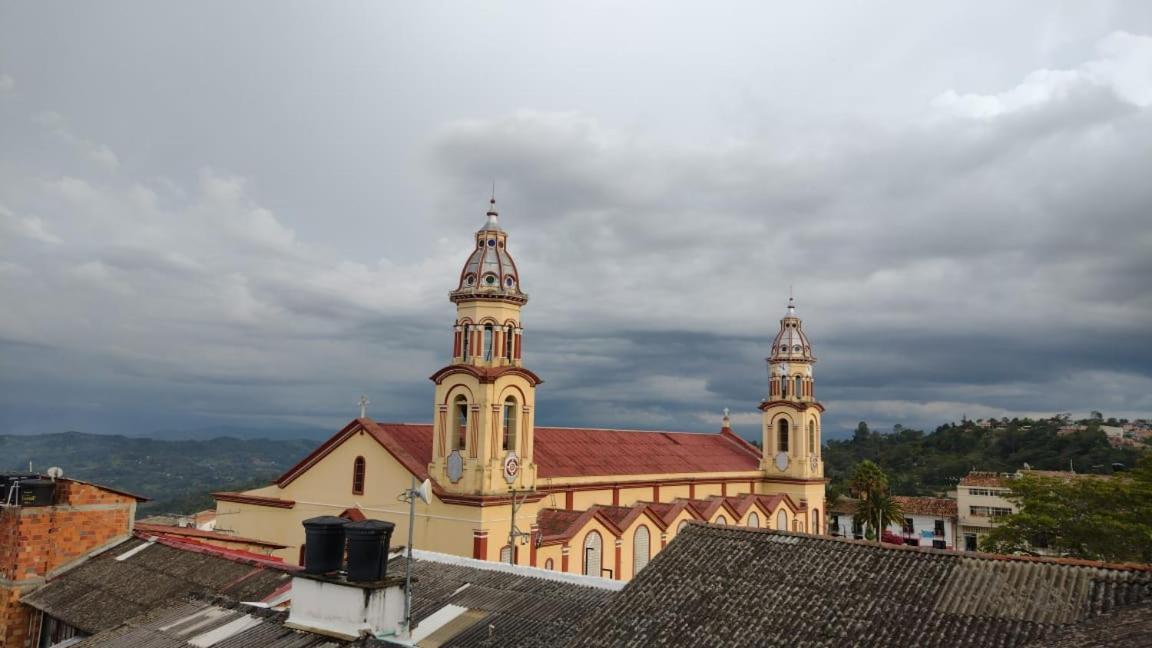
(877, 510)
(868, 478)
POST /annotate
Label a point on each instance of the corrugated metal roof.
(103, 592)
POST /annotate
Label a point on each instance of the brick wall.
(36, 541)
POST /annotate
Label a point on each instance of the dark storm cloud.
(966, 237)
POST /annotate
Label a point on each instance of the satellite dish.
(425, 491)
(55, 472)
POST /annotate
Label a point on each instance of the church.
(598, 502)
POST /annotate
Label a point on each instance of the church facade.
(599, 502)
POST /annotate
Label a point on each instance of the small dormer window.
(500, 245)
(509, 281)
(469, 280)
(796, 349)
(491, 242)
(490, 279)
(480, 243)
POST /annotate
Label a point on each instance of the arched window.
(510, 424)
(798, 526)
(782, 435)
(467, 341)
(548, 564)
(487, 341)
(721, 520)
(641, 549)
(593, 549)
(753, 520)
(506, 554)
(680, 527)
(816, 521)
(799, 387)
(782, 521)
(783, 386)
(358, 467)
(460, 439)
(811, 437)
(508, 341)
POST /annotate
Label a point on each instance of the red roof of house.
(186, 532)
(569, 452)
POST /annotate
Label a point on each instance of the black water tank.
(323, 544)
(368, 542)
(36, 492)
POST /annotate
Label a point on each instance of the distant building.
(48, 526)
(928, 521)
(598, 502)
(982, 498)
(1112, 431)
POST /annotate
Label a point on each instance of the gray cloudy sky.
(221, 213)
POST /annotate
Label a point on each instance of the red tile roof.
(579, 452)
(569, 452)
(944, 507)
(187, 532)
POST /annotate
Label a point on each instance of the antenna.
(424, 492)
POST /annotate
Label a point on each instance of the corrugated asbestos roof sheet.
(196, 624)
(104, 592)
(733, 586)
(523, 610)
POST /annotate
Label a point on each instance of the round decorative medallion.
(781, 461)
(511, 467)
(455, 466)
(813, 463)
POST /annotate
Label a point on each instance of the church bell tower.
(791, 420)
(485, 398)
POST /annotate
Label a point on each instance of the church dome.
(791, 344)
(490, 272)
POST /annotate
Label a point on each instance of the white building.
(928, 521)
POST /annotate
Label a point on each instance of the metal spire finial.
(364, 405)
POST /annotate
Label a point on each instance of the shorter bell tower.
(485, 398)
(791, 420)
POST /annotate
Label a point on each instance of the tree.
(876, 508)
(877, 511)
(862, 432)
(1098, 518)
(868, 478)
(1097, 415)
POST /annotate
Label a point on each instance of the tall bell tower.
(485, 398)
(791, 420)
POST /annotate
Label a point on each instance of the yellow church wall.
(326, 489)
(553, 552)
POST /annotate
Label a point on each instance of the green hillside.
(176, 475)
(925, 464)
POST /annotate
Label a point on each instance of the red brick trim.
(488, 500)
(619, 561)
(486, 375)
(479, 544)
